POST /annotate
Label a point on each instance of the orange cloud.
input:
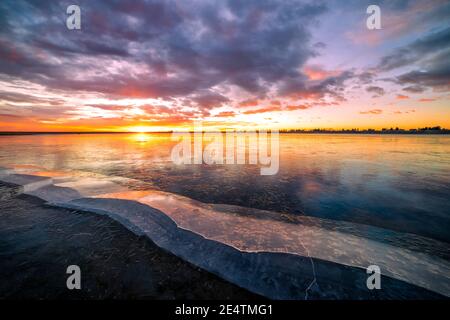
(373, 111)
(249, 103)
(315, 72)
(427, 100)
(405, 112)
(299, 107)
(307, 95)
(226, 114)
(263, 110)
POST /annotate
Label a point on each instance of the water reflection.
(141, 137)
(396, 182)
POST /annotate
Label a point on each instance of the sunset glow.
(226, 65)
(225, 150)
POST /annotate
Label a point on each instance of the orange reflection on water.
(391, 181)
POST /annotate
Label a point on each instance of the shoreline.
(294, 276)
(39, 241)
(336, 132)
(117, 263)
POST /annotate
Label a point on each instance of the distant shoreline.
(390, 132)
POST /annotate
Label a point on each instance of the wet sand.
(38, 242)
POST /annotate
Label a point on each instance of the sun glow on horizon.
(331, 75)
(141, 129)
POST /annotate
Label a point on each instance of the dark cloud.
(429, 58)
(332, 86)
(209, 100)
(377, 91)
(320, 45)
(37, 111)
(436, 78)
(26, 98)
(417, 51)
(414, 89)
(172, 48)
(366, 77)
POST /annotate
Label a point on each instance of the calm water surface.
(396, 182)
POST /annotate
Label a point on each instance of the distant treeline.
(425, 130)
(21, 133)
(396, 130)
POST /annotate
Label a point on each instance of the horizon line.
(297, 130)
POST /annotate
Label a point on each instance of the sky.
(161, 65)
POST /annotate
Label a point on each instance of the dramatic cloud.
(170, 62)
(430, 57)
(418, 51)
(158, 48)
(331, 87)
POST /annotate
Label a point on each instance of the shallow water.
(395, 182)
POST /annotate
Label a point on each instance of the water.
(396, 182)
